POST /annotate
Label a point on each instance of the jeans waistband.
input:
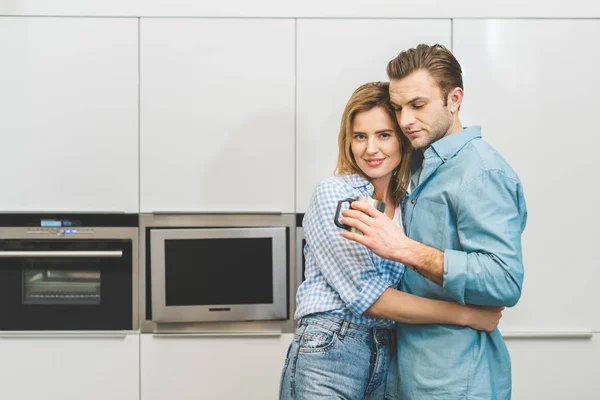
(347, 328)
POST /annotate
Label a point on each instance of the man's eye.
(416, 107)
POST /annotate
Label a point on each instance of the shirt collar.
(448, 146)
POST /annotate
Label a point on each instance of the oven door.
(65, 284)
(219, 274)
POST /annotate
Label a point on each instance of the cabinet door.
(69, 368)
(218, 368)
(69, 114)
(555, 369)
(533, 85)
(217, 115)
(335, 57)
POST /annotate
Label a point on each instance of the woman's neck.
(381, 193)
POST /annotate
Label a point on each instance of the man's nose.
(407, 118)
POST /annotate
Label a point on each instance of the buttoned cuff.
(369, 294)
(455, 274)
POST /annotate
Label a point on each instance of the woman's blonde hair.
(365, 98)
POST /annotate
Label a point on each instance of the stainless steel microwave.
(218, 272)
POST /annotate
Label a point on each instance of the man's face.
(420, 109)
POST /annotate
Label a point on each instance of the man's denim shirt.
(469, 204)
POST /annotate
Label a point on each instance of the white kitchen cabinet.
(336, 56)
(69, 114)
(216, 368)
(533, 85)
(555, 369)
(69, 368)
(217, 115)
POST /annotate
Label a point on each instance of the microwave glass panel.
(54, 286)
(202, 272)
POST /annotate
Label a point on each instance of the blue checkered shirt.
(343, 278)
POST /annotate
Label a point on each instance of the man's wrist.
(425, 260)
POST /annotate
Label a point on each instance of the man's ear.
(455, 98)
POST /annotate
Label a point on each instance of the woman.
(342, 349)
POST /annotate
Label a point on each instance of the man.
(463, 221)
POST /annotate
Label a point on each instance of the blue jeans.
(330, 358)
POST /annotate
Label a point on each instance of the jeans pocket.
(316, 339)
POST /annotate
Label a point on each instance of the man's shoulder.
(479, 157)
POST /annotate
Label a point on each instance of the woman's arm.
(407, 308)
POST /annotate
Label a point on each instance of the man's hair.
(436, 59)
(365, 98)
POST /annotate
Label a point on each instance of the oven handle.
(49, 254)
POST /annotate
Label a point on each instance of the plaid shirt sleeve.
(347, 266)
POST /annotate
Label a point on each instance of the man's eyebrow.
(411, 101)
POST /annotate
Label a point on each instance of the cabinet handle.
(216, 334)
(547, 335)
(65, 334)
(46, 254)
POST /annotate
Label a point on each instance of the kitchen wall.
(127, 114)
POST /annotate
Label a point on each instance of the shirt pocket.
(429, 225)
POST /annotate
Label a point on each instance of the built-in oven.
(218, 273)
(68, 272)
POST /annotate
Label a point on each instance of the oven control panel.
(60, 231)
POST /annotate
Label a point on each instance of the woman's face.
(375, 145)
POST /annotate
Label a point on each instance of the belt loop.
(343, 329)
(300, 321)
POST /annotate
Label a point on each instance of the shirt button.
(446, 158)
(413, 201)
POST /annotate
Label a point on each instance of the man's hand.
(386, 239)
(380, 234)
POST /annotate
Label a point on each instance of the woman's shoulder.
(346, 183)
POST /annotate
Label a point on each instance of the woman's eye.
(359, 137)
(385, 135)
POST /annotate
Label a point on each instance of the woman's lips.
(375, 162)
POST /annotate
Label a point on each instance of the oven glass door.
(65, 284)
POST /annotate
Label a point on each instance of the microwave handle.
(48, 254)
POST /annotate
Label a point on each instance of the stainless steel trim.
(49, 254)
(235, 312)
(547, 335)
(65, 334)
(175, 335)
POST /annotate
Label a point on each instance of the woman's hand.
(483, 318)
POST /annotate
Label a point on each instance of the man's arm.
(387, 240)
(491, 216)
